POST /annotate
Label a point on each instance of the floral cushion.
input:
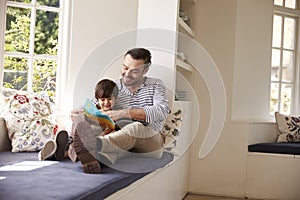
(29, 119)
(171, 130)
(288, 127)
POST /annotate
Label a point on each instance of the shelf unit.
(184, 70)
(183, 27)
(184, 65)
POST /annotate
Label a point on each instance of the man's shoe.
(48, 150)
(89, 163)
(61, 139)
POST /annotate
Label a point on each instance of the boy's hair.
(105, 89)
(140, 54)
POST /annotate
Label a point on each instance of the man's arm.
(158, 111)
(132, 113)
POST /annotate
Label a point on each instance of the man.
(141, 99)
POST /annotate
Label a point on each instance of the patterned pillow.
(288, 127)
(171, 130)
(29, 119)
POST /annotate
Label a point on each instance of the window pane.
(22, 1)
(290, 4)
(289, 33)
(54, 3)
(285, 104)
(15, 73)
(17, 30)
(274, 97)
(287, 68)
(277, 27)
(44, 76)
(278, 2)
(275, 65)
(46, 32)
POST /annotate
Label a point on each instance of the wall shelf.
(186, 28)
(184, 65)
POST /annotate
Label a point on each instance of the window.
(31, 56)
(284, 56)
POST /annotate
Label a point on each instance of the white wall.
(95, 22)
(252, 60)
(157, 32)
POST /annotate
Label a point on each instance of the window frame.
(294, 13)
(62, 56)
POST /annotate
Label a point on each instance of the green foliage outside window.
(23, 61)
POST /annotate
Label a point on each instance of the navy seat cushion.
(276, 147)
(67, 181)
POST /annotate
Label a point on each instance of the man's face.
(133, 71)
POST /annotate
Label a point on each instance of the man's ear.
(145, 70)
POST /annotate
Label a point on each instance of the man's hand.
(131, 113)
(118, 114)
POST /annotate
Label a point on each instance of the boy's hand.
(75, 113)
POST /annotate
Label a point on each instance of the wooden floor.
(207, 197)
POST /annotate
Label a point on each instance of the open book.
(93, 113)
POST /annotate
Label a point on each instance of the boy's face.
(107, 103)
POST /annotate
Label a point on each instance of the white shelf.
(184, 65)
(188, 29)
(190, 1)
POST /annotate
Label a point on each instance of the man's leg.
(84, 143)
(115, 145)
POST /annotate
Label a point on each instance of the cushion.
(4, 140)
(66, 180)
(171, 130)
(276, 147)
(29, 119)
(288, 127)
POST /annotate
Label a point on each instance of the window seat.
(66, 180)
(271, 165)
(276, 147)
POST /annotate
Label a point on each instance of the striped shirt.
(151, 96)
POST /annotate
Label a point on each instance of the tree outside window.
(31, 49)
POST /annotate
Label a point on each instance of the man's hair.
(140, 54)
(105, 89)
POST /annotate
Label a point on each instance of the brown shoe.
(89, 163)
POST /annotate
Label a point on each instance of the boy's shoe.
(61, 139)
(48, 150)
(55, 149)
(89, 163)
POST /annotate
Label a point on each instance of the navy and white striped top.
(151, 96)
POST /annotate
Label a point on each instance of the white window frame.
(295, 104)
(63, 50)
